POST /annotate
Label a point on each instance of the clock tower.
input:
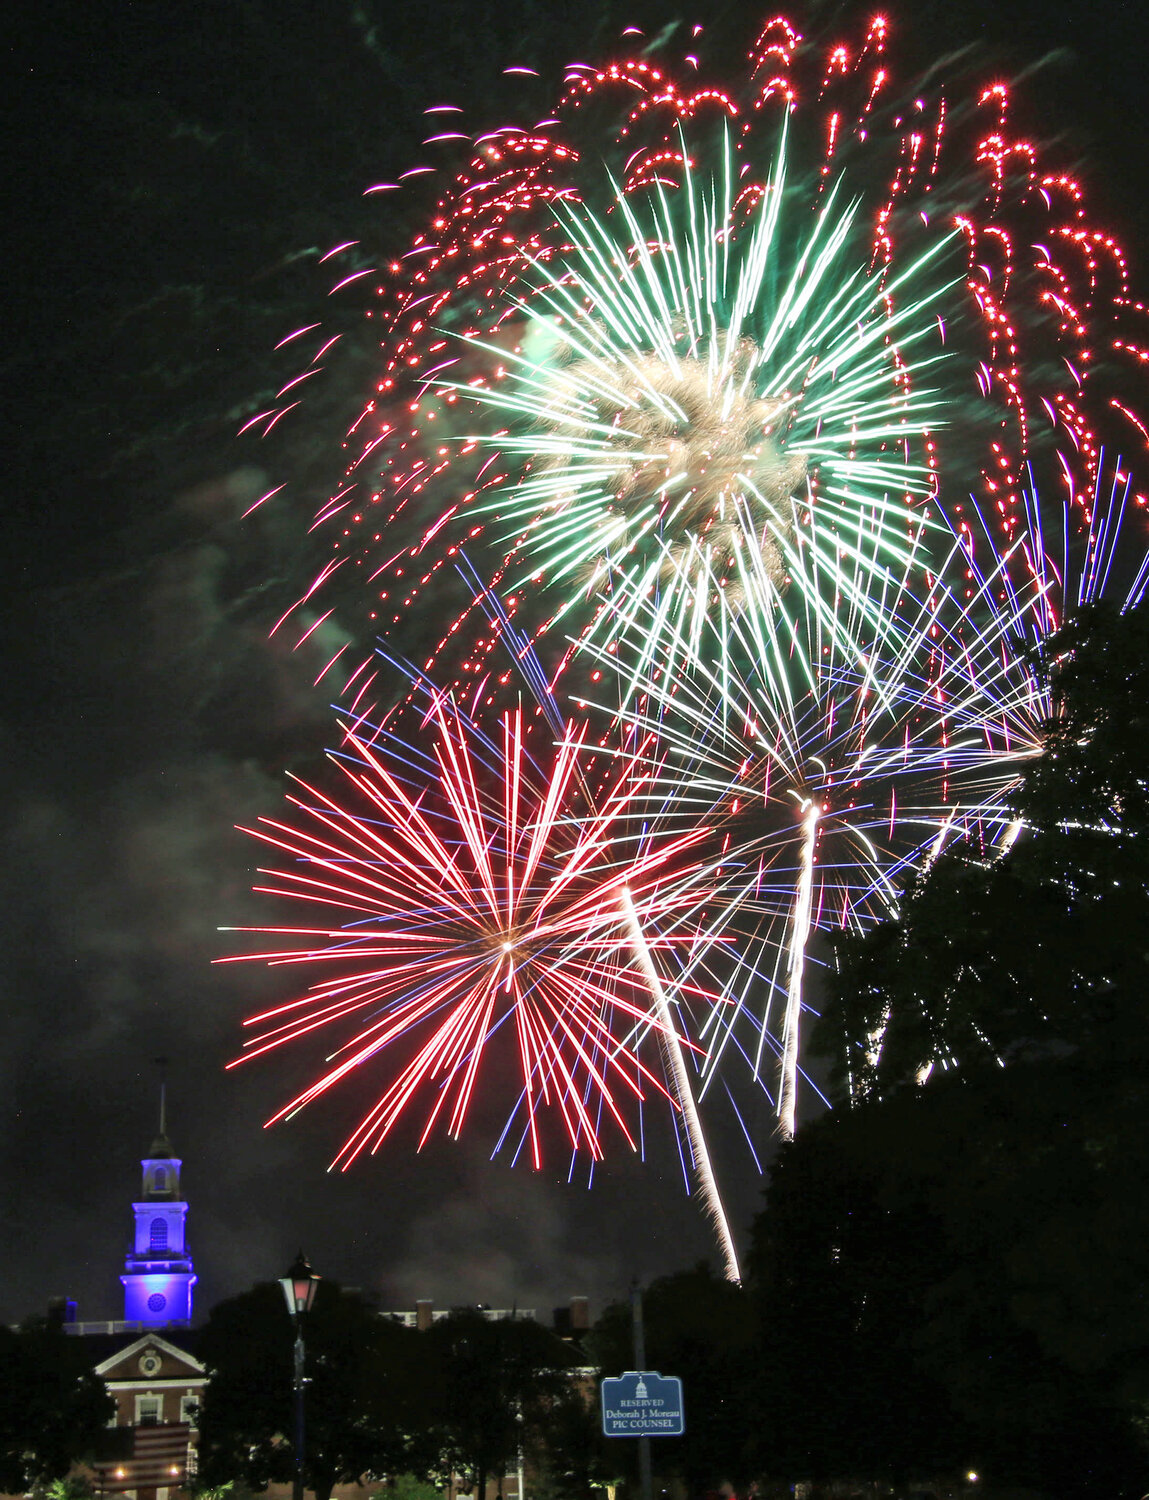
(158, 1273)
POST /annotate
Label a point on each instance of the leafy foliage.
(953, 1274)
(954, 1277)
(359, 1396)
(1045, 947)
(576, 1460)
(52, 1408)
(491, 1387)
(407, 1487)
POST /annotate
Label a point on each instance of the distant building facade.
(157, 1388)
(148, 1363)
(570, 1322)
(146, 1358)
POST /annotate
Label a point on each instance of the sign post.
(638, 1332)
(642, 1404)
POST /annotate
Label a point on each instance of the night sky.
(178, 170)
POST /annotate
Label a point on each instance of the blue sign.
(642, 1404)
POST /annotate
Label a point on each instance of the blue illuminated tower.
(158, 1274)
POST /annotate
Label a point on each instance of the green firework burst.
(702, 381)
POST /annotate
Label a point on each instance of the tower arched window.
(159, 1234)
(160, 1179)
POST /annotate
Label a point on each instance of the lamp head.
(299, 1286)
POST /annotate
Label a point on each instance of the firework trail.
(676, 1067)
(800, 936)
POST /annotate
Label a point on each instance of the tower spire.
(161, 1146)
(158, 1272)
(162, 1064)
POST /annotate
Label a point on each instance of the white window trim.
(149, 1396)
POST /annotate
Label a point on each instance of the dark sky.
(178, 169)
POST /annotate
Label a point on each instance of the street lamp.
(299, 1292)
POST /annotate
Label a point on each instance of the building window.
(148, 1411)
(159, 1234)
(160, 1180)
(189, 1410)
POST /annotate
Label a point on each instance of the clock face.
(149, 1362)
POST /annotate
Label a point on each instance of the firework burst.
(825, 769)
(1043, 336)
(683, 387)
(478, 896)
(680, 386)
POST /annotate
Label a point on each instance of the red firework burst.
(480, 894)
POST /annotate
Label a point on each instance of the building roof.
(175, 1363)
(112, 1343)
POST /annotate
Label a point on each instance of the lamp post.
(299, 1292)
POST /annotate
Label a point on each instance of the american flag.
(159, 1457)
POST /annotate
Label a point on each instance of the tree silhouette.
(53, 1410)
(360, 1402)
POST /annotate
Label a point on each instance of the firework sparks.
(883, 753)
(476, 898)
(680, 386)
(1043, 335)
(670, 369)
